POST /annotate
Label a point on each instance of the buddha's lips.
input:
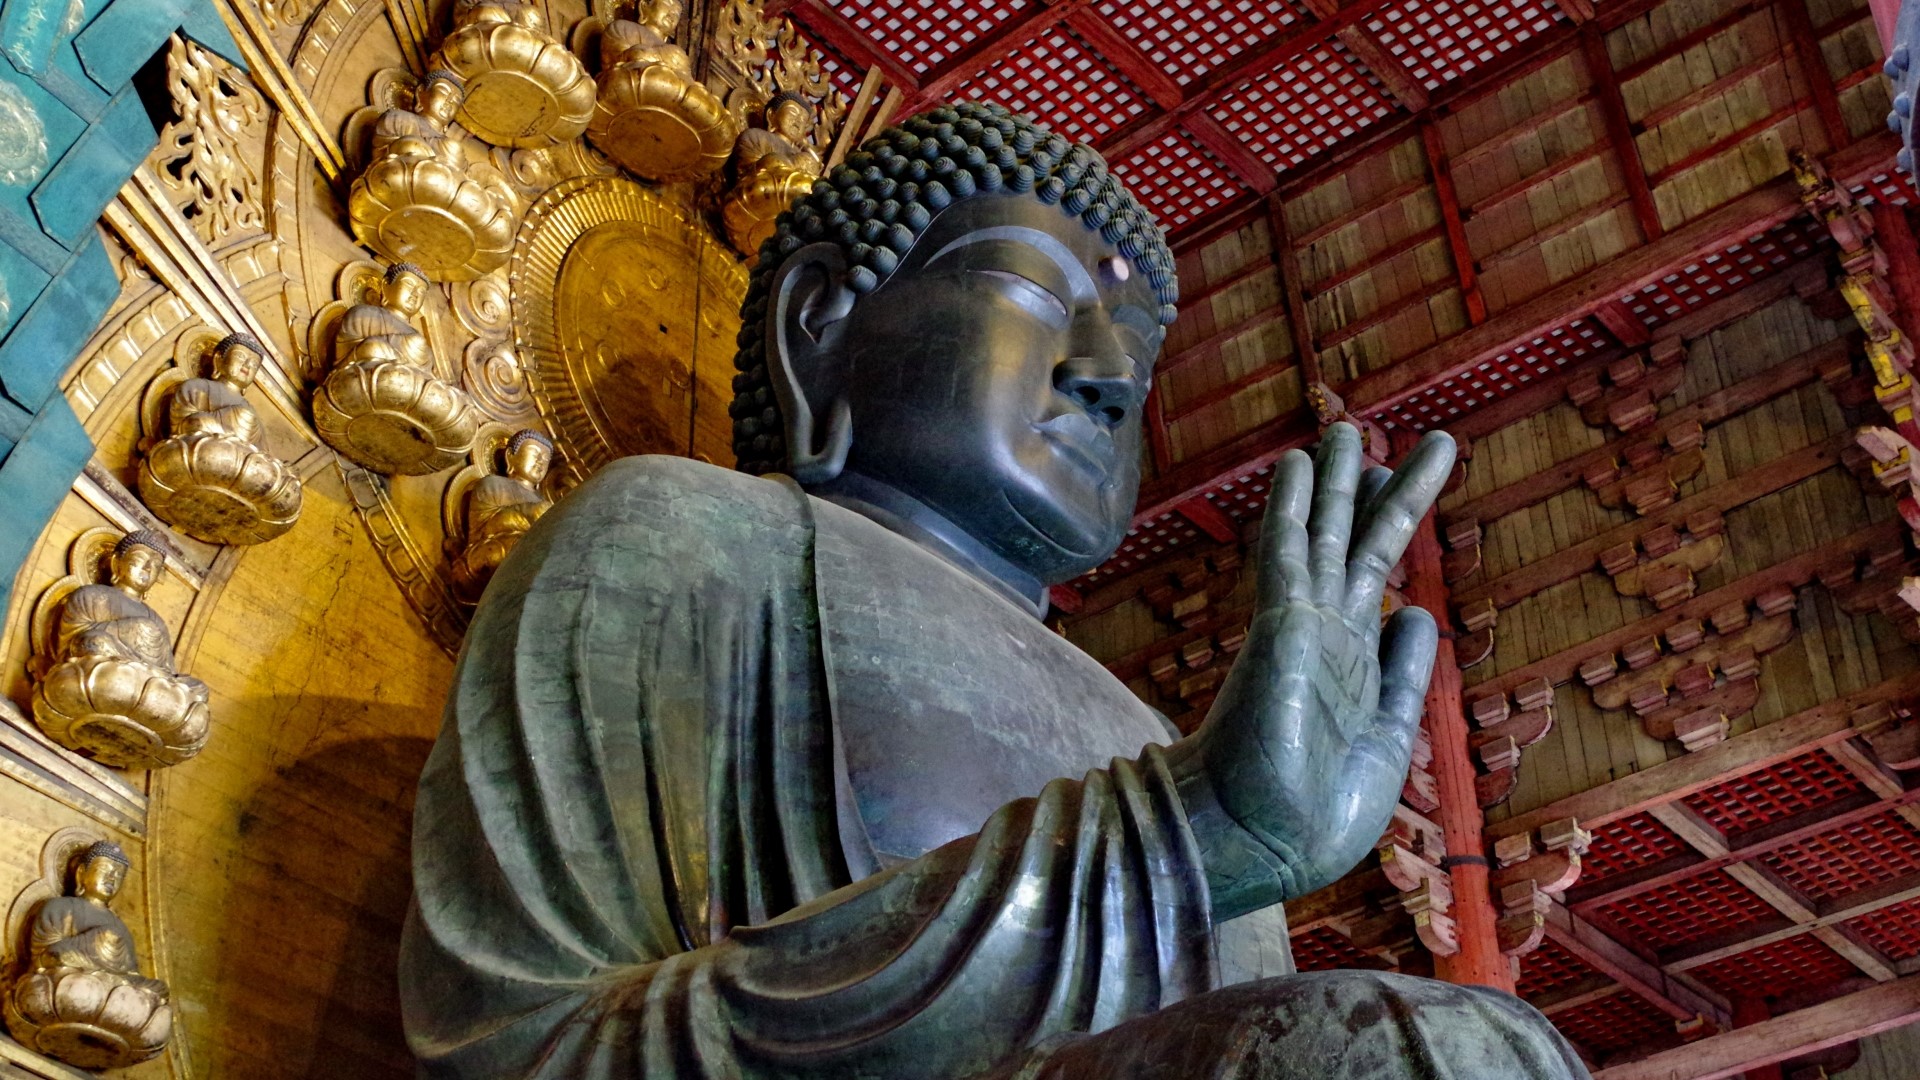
(1085, 443)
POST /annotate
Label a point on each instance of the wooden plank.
(1756, 211)
(1749, 393)
(1599, 950)
(1826, 723)
(1570, 562)
(1844, 1019)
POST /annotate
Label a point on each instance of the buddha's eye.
(1036, 291)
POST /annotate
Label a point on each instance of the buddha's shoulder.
(673, 496)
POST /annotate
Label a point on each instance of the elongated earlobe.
(806, 362)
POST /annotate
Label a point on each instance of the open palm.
(1295, 772)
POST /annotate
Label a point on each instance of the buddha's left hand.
(1295, 772)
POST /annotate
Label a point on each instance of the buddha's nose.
(1104, 386)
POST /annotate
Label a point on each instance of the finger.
(1406, 667)
(1335, 484)
(1367, 502)
(1397, 511)
(1283, 537)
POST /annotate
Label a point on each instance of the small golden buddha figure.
(209, 477)
(381, 405)
(111, 690)
(653, 116)
(500, 509)
(82, 999)
(523, 88)
(772, 166)
(421, 199)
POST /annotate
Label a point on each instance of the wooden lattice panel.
(1177, 179)
(1686, 911)
(1795, 786)
(1499, 377)
(1304, 106)
(1707, 279)
(1895, 187)
(1627, 844)
(1795, 964)
(1327, 949)
(1441, 40)
(1842, 862)
(1061, 81)
(1145, 543)
(1549, 968)
(1243, 498)
(1894, 931)
(1614, 1022)
(1188, 38)
(926, 33)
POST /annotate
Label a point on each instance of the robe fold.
(637, 851)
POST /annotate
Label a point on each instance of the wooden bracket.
(1627, 395)
(1646, 475)
(1410, 854)
(1503, 728)
(1891, 729)
(1530, 870)
(1662, 564)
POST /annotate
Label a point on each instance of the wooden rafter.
(1605, 954)
(1844, 1019)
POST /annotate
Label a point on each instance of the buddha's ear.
(807, 310)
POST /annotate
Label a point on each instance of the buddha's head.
(529, 456)
(406, 288)
(236, 360)
(439, 96)
(662, 16)
(790, 117)
(99, 871)
(137, 561)
(968, 311)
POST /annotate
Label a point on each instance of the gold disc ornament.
(523, 88)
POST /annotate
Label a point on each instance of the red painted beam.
(1293, 294)
(980, 53)
(1613, 109)
(1209, 519)
(821, 22)
(1443, 190)
(1813, 68)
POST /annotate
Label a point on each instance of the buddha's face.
(237, 364)
(791, 121)
(529, 460)
(663, 16)
(407, 293)
(438, 100)
(137, 568)
(99, 878)
(998, 376)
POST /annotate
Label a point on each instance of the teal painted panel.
(35, 477)
(29, 29)
(50, 333)
(21, 280)
(126, 36)
(204, 25)
(35, 132)
(65, 80)
(78, 187)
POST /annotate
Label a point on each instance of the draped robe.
(651, 842)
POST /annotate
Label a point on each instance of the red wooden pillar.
(1893, 231)
(1479, 960)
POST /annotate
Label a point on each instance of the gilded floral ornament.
(486, 512)
(106, 685)
(81, 998)
(523, 88)
(422, 199)
(653, 116)
(23, 139)
(208, 475)
(200, 154)
(383, 405)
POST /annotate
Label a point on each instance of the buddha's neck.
(898, 512)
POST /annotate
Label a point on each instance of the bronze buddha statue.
(500, 508)
(652, 116)
(422, 199)
(82, 999)
(209, 477)
(381, 404)
(109, 688)
(778, 772)
(772, 167)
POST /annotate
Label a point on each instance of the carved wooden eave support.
(1661, 565)
(1504, 726)
(1411, 852)
(1531, 871)
(1627, 395)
